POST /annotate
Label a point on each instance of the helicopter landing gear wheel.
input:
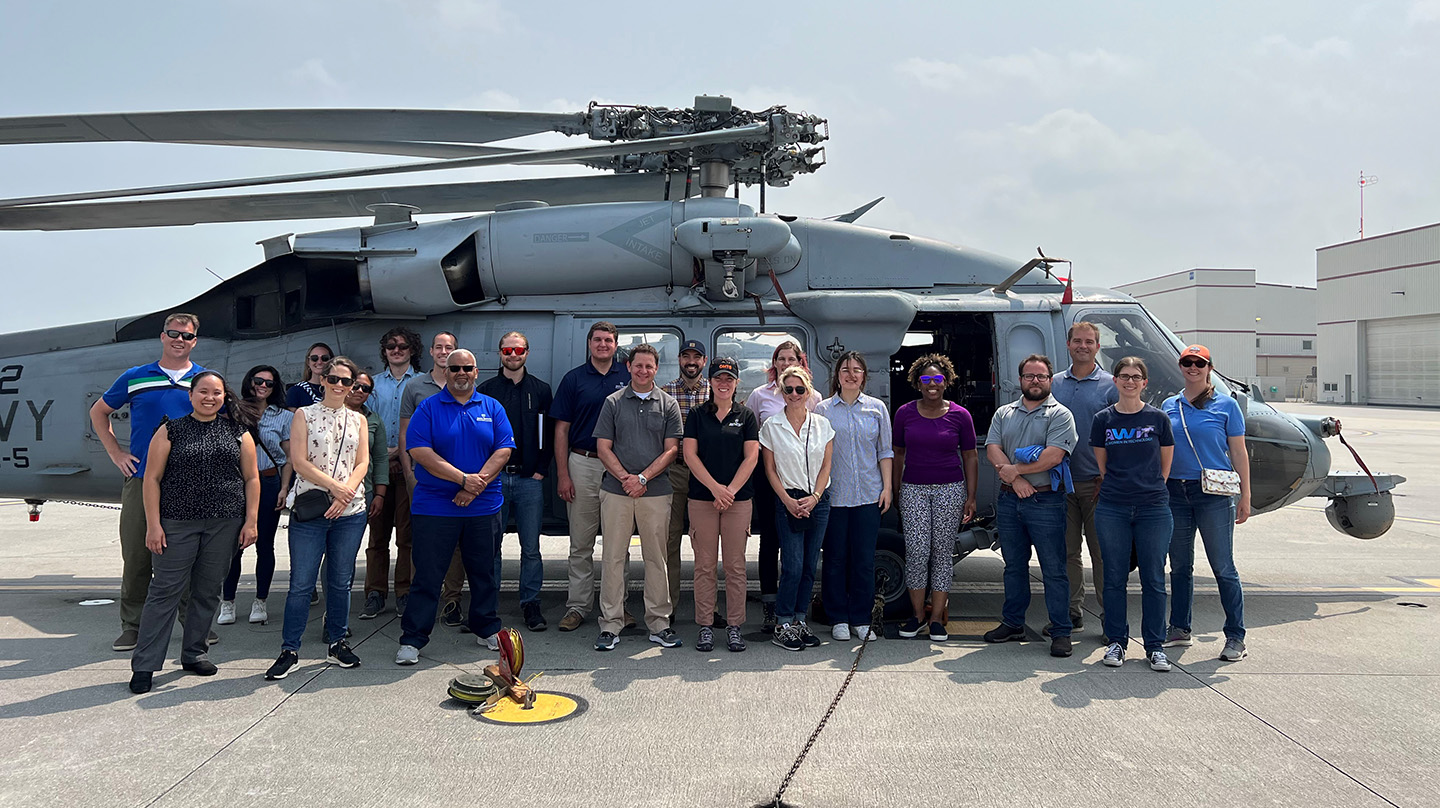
(890, 573)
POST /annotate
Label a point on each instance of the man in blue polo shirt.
(459, 441)
(154, 392)
(578, 470)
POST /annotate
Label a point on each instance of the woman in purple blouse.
(936, 464)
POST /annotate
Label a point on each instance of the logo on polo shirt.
(485, 418)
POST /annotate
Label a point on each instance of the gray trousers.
(195, 561)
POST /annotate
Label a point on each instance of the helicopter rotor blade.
(652, 146)
(465, 197)
(286, 128)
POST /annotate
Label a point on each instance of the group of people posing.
(442, 460)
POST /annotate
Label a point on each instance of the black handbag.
(313, 504)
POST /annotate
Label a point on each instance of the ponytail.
(1204, 398)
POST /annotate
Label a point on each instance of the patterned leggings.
(931, 516)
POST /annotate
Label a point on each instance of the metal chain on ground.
(86, 504)
(877, 621)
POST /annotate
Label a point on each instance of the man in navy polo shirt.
(578, 470)
(154, 392)
(459, 441)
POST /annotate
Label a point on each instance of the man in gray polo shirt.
(1027, 439)
(1085, 389)
(637, 437)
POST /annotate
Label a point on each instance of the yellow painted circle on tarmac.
(548, 707)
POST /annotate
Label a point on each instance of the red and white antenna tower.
(1364, 181)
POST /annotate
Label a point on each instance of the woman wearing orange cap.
(1209, 435)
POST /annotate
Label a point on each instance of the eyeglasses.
(514, 351)
(461, 368)
(932, 379)
(397, 346)
(182, 335)
(364, 388)
(262, 382)
(1034, 377)
(1130, 377)
(344, 381)
(795, 391)
(1193, 363)
(315, 357)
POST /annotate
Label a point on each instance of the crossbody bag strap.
(1186, 428)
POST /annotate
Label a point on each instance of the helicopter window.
(666, 342)
(1132, 333)
(753, 349)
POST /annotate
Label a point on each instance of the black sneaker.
(938, 632)
(767, 623)
(806, 636)
(140, 681)
(401, 601)
(201, 667)
(733, 640)
(1077, 620)
(1005, 633)
(374, 605)
(534, 620)
(666, 638)
(282, 666)
(340, 654)
(606, 641)
(1060, 646)
(706, 642)
(910, 629)
(315, 597)
(788, 637)
(450, 615)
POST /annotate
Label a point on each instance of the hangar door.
(1403, 361)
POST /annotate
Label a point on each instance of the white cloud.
(1047, 72)
(313, 72)
(932, 73)
(1329, 47)
(477, 16)
(1423, 11)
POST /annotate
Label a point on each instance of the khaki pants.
(394, 513)
(621, 515)
(712, 532)
(135, 558)
(1080, 516)
(679, 507)
(584, 515)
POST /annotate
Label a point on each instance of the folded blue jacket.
(1059, 476)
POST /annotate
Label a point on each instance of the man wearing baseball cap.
(690, 390)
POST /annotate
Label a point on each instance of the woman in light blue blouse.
(263, 413)
(859, 492)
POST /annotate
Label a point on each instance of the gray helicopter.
(657, 246)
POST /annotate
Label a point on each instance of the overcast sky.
(1134, 138)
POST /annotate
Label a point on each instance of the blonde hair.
(797, 371)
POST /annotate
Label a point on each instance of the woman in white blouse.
(796, 446)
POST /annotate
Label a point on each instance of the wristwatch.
(642, 479)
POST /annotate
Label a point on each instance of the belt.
(586, 453)
(269, 473)
(1004, 487)
(515, 469)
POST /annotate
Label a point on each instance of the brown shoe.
(572, 620)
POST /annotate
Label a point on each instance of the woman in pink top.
(765, 401)
(937, 466)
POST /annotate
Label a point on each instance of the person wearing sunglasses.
(332, 463)
(153, 392)
(937, 465)
(417, 390)
(202, 494)
(262, 411)
(796, 446)
(526, 400)
(1209, 435)
(690, 390)
(766, 401)
(860, 491)
(377, 480)
(311, 387)
(400, 362)
(459, 440)
(1134, 445)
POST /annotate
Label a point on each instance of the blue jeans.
(526, 497)
(799, 555)
(1214, 516)
(847, 579)
(1036, 521)
(267, 525)
(1145, 530)
(336, 542)
(432, 546)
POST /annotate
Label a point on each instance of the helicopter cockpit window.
(666, 342)
(753, 349)
(1133, 333)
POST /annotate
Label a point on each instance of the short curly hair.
(917, 369)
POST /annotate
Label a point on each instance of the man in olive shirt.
(690, 389)
(638, 436)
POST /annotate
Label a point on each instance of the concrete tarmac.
(1336, 705)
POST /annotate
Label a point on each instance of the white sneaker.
(227, 613)
(492, 642)
(407, 655)
(864, 634)
(258, 612)
(1115, 655)
(840, 631)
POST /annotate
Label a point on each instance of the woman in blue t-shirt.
(1133, 445)
(311, 388)
(1209, 434)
